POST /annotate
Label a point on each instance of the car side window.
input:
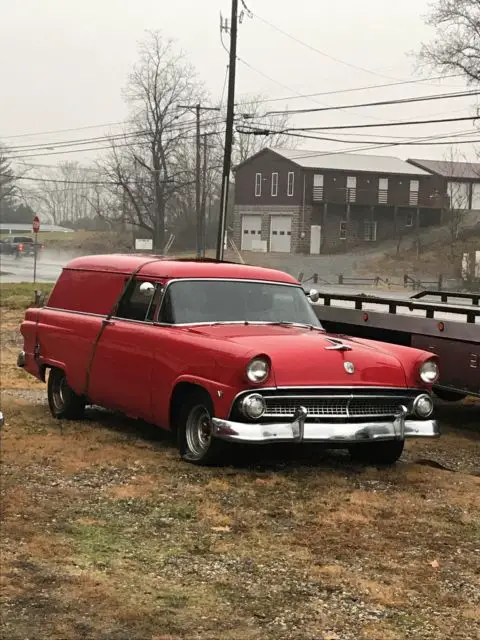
(140, 302)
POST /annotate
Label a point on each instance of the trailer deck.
(451, 330)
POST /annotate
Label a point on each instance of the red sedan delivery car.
(220, 352)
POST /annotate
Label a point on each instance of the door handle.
(108, 321)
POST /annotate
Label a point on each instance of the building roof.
(349, 162)
(448, 169)
(161, 267)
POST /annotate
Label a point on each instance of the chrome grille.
(328, 407)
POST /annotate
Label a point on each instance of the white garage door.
(251, 232)
(280, 234)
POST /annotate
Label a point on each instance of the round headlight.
(423, 406)
(258, 370)
(253, 406)
(429, 372)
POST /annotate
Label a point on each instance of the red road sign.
(36, 224)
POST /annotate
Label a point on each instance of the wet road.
(49, 268)
(21, 270)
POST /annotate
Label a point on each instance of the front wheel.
(196, 443)
(381, 453)
(64, 403)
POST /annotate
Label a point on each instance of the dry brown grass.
(107, 535)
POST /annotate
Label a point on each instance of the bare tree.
(456, 45)
(252, 115)
(457, 197)
(8, 184)
(148, 164)
(63, 193)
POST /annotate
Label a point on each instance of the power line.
(297, 96)
(381, 103)
(353, 89)
(402, 142)
(75, 150)
(96, 182)
(43, 133)
(323, 53)
(311, 154)
(186, 126)
(400, 123)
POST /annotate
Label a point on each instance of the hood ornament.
(349, 367)
(338, 345)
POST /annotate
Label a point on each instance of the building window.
(383, 190)
(258, 185)
(343, 230)
(291, 183)
(274, 184)
(414, 189)
(409, 220)
(318, 187)
(370, 231)
(351, 195)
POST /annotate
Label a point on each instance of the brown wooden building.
(458, 181)
(302, 201)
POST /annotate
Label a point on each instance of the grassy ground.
(106, 535)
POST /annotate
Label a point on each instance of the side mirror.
(313, 295)
(147, 289)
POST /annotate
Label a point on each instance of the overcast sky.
(64, 62)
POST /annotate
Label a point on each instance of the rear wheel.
(381, 453)
(449, 396)
(64, 403)
(195, 441)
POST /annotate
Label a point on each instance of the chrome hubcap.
(198, 431)
(59, 395)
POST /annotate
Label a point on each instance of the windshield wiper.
(285, 323)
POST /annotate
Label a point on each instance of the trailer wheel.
(64, 403)
(449, 396)
(381, 453)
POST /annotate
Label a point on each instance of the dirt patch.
(106, 534)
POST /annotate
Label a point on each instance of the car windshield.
(212, 301)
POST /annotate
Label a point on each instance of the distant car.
(217, 351)
(19, 246)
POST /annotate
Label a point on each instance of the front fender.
(222, 395)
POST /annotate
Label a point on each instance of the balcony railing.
(351, 194)
(383, 196)
(413, 200)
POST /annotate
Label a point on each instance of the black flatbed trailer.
(452, 331)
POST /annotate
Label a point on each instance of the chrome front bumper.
(336, 433)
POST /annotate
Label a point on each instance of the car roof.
(161, 267)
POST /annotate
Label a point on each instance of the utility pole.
(198, 207)
(227, 159)
(203, 230)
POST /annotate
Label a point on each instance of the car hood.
(301, 356)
